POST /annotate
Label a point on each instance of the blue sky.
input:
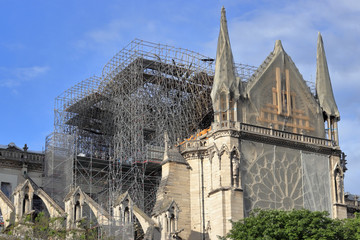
(48, 46)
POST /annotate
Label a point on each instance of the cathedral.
(272, 144)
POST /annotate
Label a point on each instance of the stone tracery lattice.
(272, 178)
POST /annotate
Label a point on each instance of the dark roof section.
(174, 156)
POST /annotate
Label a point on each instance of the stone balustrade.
(285, 135)
(253, 129)
(193, 144)
(31, 157)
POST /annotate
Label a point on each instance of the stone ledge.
(224, 189)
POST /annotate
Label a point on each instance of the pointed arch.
(123, 203)
(223, 108)
(235, 150)
(173, 216)
(224, 148)
(211, 156)
(339, 169)
(29, 188)
(74, 202)
(216, 149)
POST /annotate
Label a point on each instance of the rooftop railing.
(31, 157)
(285, 135)
(259, 130)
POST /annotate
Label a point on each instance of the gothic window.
(171, 220)
(77, 211)
(126, 215)
(172, 223)
(26, 203)
(6, 188)
(231, 108)
(285, 103)
(77, 208)
(223, 108)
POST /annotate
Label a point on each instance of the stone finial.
(278, 47)
(224, 79)
(166, 141)
(25, 147)
(324, 90)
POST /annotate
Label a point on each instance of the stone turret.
(172, 206)
(226, 87)
(325, 93)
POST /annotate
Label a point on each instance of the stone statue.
(339, 188)
(236, 168)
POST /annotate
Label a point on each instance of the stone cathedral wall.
(275, 177)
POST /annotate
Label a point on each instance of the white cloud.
(109, 33)
(9, 83)
(12, 78)
(103, 38)
(28, 73)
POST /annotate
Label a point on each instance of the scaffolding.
(116, 122)
(59, 155)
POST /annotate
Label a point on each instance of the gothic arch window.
(26, 204)
(223, 107)
(126, 215)
(172, 223)
(77, 208)
(77, 211)
(232, 110)
(26, 201)
(171, 217)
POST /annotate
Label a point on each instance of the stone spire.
(166, 150)
(224, 78)
(323, 84)
(278, 47)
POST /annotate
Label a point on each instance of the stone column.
(168, 224)
(31, 197)
(336, 135)
(329, 127)
(228, 110)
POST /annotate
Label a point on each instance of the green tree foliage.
(352, 227)
(44, 227)
(295, 224)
